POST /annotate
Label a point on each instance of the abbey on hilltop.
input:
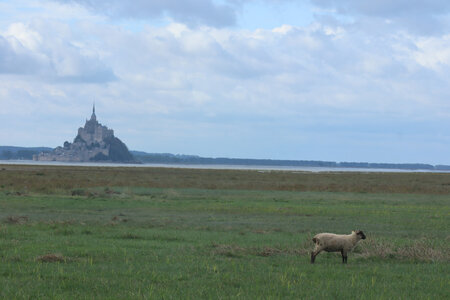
(94, 142)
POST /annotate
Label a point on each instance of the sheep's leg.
(344, 256)
(314, 254)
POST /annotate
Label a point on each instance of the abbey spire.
(93, 116)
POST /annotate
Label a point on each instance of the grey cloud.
(90, 71)
(56, 61)
(17, 61)
(190, 12)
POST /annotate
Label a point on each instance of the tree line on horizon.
(26, 153)
(167, 158)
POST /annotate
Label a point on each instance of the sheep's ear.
(353, 231)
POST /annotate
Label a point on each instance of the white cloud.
(433, 52)
(27, 38)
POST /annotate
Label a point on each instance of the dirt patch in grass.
(15, 258)
(64, 231)
(228, 250)
(119, 218)
(109, 191)
(93, 192)
(52, 258)
(79, 192)
(56, 223)
(265, 251)
(269, 251)
(130, 236)
(18, 220)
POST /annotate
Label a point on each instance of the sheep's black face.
(361, 234)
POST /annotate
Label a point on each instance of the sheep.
(331, 242)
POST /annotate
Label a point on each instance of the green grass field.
(153, 233)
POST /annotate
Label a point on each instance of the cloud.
(287, 70)
(433, 53)
(190, 12)
(16, 59)
(290, 92)
(25, 50)
(416, 16)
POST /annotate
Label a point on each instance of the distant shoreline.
(263, 168)
(24, 155)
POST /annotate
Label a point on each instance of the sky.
(335, 80)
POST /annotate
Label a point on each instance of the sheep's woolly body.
(331, 242)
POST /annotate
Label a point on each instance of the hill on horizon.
(93, 143)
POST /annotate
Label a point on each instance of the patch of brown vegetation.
(51, 258)
(117, 219)
(419, 250)
(60, 222)
(260, 231)
(110, 191)
(131, 236)
(228, 250)
(271, 251)
(18, 220)
(71, 178)
(265, 251)
(423, 252)
(15, 193)
(268, 251)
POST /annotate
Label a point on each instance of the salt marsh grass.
(84, 233)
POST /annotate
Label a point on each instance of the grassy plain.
(155, 233)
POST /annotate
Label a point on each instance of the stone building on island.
(94, 142)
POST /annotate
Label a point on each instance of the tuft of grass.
(131, 236)
(64, 231)
(118, 218)
(78, 192)
(110, 191)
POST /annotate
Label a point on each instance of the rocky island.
(94, 143)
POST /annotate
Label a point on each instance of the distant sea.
(216, 167)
